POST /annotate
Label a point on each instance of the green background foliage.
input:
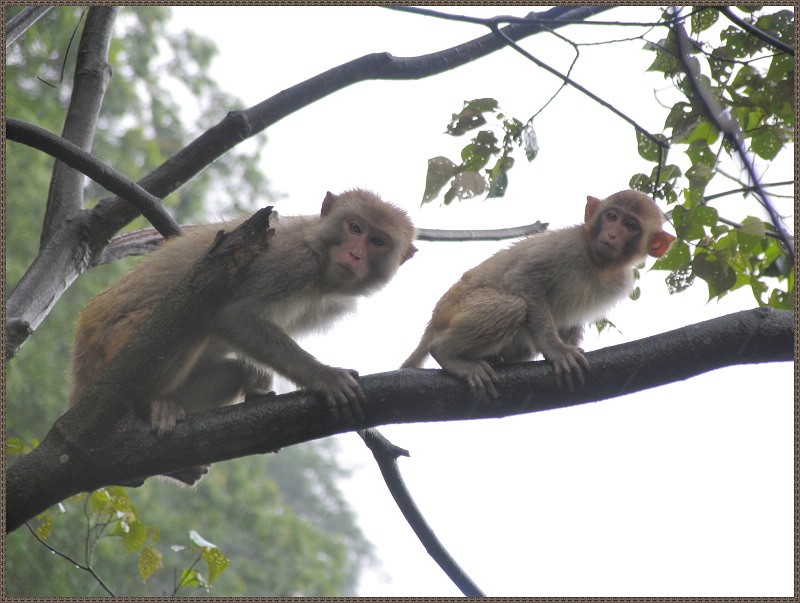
(279, 520)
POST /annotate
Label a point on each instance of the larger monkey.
(537, 295)
(309, 275)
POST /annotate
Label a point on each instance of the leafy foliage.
(471, 177)
(755, 84)
(751, 80)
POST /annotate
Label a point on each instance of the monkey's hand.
(339, 388)
(164, 416)
(568, 361)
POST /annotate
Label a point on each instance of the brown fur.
(309, 275)
(537, 295)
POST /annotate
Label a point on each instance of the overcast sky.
(684, 490)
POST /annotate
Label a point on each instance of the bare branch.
(151, 207)
(22, 21)
(90, 81)
(386, 454)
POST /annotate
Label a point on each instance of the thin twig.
(386, 454)
(80, 566)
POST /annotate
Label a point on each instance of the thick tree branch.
(22, 21)
(84, 451)
(84, 162)
(90, 81)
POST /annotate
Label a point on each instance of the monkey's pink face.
(618, 232)
(362, 246)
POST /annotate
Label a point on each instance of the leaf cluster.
(753, 83)
(471, 177)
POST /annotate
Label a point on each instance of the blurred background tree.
(281, 519)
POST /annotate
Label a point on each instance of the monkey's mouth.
(346, 270)
(606, 249)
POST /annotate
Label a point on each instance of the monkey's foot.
(191, 475)
(478, 374)
(164, 416)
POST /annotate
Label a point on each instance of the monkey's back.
(553, 267)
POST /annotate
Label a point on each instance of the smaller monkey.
(310, 275)
(538, 295)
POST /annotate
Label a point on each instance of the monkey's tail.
(419, 355)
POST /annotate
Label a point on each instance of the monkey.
(536, 296)
(310, 274)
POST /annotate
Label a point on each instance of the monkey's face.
(363, 254)
(617, 235)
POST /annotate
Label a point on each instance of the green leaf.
(498, 177)
(483, 105)
(679, 280)
(677, 257)
(135, 537)
(15, 446)
(216, 561)
(647, 148)
(666, 59)
(685, 225)
(705, 215)
(469, 184)
(468, 119)
(190, 577)
(440, 171)
(751, 233)
(766, 145)
(703, 18)
(715, 271)
(150, 561)
(46, 523)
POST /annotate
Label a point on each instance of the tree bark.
(87, 448)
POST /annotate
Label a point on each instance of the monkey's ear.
(408, 254)
(328, 203)
(592, 203)
(660, 243)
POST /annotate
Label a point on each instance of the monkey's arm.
(567, 359)
(266, 343)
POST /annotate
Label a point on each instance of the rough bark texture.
(88, 448)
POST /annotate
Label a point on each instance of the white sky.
(684, 490)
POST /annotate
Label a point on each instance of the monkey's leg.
(213, 383)
(482, 324)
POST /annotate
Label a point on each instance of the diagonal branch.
(386, 455)
(755, 31)
(83, 452)
(84, 162)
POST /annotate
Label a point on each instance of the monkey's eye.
(378, 241)
(631, 225)
(611, 216)
(355, 227)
